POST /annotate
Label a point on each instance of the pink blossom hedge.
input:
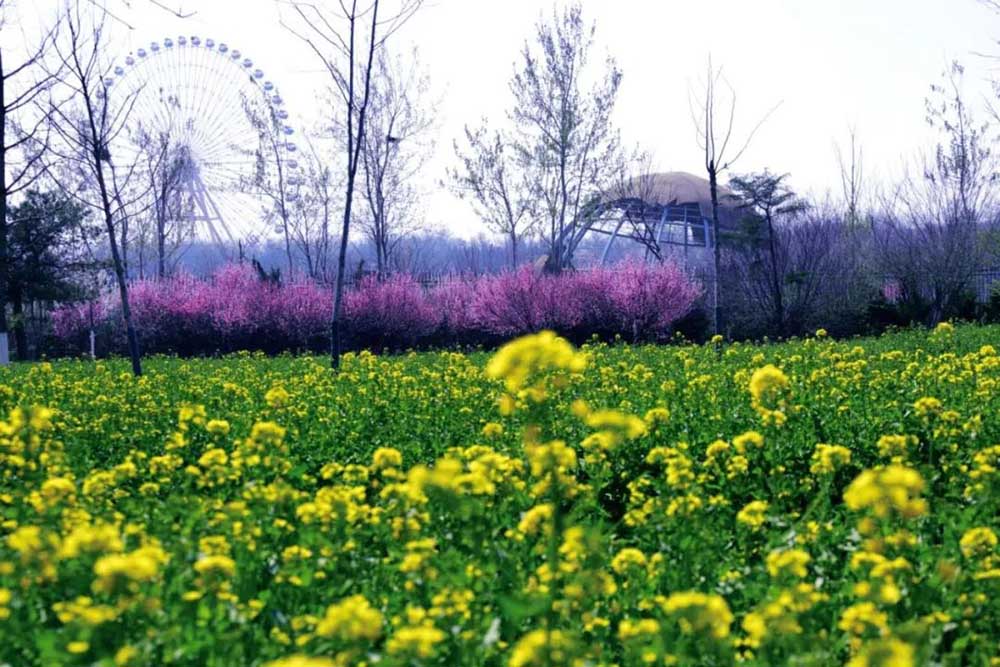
(235, 309)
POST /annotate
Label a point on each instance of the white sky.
(831, 64)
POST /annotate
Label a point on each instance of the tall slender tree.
(497, 188)
(272, 176)
(395, 148)
(345, 39)
(852, 178)
(23, 136)
(86, 126)
(713, 110)
(565, 138)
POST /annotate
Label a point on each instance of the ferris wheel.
(201, 112)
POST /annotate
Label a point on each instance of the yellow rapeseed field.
(810, 503)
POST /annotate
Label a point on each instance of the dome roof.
(674, 188)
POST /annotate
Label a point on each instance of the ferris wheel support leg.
(218, 216)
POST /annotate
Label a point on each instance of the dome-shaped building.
(665, 213)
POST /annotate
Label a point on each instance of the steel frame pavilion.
(652, 225)
(657, 211)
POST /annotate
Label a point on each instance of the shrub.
(235, 309)
(389, 314)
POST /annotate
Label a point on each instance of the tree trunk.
(779, 307)
(161, 246)
(288, 247)
(352, 169)
(335, 343)
(116, 258)
(716, 249)
(4, 349)
(20, 334)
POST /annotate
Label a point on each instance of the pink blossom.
(235, 309)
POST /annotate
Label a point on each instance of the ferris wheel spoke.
(198, 99)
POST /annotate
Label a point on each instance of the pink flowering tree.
(235, 309)
(647, 299)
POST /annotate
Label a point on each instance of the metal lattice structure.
(657, 211)
(198, 95)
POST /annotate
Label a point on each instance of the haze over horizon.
(830, 66)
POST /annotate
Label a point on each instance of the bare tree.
(345, 39)
(565, 139)
(766, 197)
(714, 114)
(932, 236)
(312, 213)
(273, 176)
(852, 177)
(169, 8)
(394, 150)
(167, 167)
(495, 185)
(23, 137)
(85, 130)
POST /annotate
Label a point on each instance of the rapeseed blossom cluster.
(813, 502)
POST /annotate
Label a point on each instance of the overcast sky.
(830, 63)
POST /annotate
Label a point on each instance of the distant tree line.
(77, 221)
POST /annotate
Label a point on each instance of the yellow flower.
(213, 458)
(889, 652)
(299, 660)
(492, 430)
(267, 433)
(927, 406)
(26, 541)
(217, 427)
(643, 627)
(519, 362)
(386, 457)
(138, 566)
(978, 542)
(538, 648)
(791, 561)
(767, 384)
(944, 328)
(754, 514)
(216, 564)
(76, 648)
(351, 619)
(755, 625)
(860, 617)
(893, 488)
(277, 397)
(417, 553)
(827, 459)
(749, 438)
(535, 519)
(697, 612)
(418, 640)
(626, 559)
(658, 415)
(55, 489)
(125, 655)
(895, 446)
(623, 425)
